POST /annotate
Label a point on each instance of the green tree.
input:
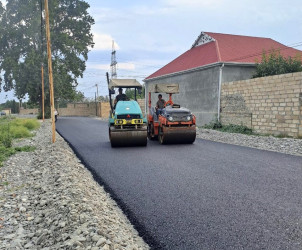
(130, 93)
(13, 105)
(23, 47)
(275, 64)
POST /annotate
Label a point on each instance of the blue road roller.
(127, 124)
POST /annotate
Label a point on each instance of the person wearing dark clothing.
(160, 104)
(120, 97)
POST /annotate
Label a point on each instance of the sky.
(149, 34)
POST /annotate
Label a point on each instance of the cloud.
(151, 11)
(125, 66)
(103, 42)
(192, 3)
(4, 2)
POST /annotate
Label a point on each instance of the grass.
(5, 153)
(230, 128)
(14, 128)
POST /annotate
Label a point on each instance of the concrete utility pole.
(50, 72)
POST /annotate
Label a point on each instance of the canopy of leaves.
(23, 46)
(13, 105)
(130, 93)
(275, 64)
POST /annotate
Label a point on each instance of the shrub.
(230, 128)
(275, 64)
(31, 124)
(6, 140)
(20, 128)
(5, 153)
(19, 132)
(213, 125)
(47, 113)
(25, 148)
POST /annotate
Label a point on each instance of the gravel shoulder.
(282, 145)
(270, 143)
(49, 200)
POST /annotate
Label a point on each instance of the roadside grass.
(230, 128)
(15, 128)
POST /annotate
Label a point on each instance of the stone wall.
(268, 105)
(85, 109)
(28, 111)
(104, 109)
(141, 103)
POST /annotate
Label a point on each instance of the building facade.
(213, 59)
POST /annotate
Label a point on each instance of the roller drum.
(177, 135)
(125, 138)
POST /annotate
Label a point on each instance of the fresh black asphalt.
(207, 195)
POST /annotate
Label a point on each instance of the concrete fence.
(268, 105)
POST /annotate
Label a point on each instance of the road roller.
(127, 125)
(174, 124)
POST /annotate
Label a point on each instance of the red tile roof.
(224, 48)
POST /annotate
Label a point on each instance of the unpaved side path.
(49, 200)
(282, 145)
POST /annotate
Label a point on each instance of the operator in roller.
(120, 97)
(160, 105)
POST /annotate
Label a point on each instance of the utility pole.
(96, 99)
(96, 107)
(113, 62)
(50, 72)
(97, 91)
(42, 79)
(42, 66)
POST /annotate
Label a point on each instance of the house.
(214, 58)
(7, 111)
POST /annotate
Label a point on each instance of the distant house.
(214, 58)
(7, 111)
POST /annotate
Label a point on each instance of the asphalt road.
(207, 195)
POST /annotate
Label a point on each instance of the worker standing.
(56, 115)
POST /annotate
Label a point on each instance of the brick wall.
(268, 105)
